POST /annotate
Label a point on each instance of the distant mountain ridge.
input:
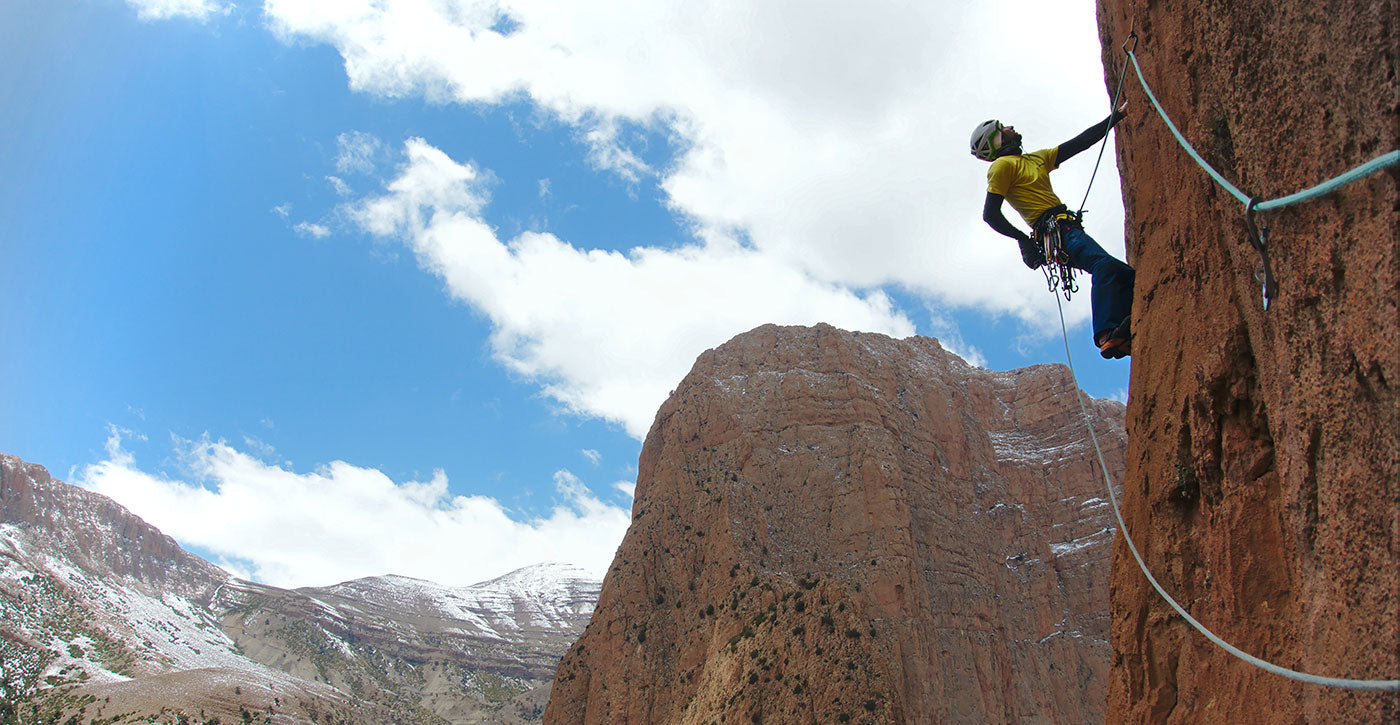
(102, 615)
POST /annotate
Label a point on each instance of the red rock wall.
(1263, 477)
(100, 535)
(835, 524)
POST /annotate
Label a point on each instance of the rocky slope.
(833, 526)
(103, 616)
(100, 614)
(1264, 459)
(99, 536)
(463, 654)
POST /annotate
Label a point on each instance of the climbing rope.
(1112, 109)
(1388, 685)
(1258, 238)
(1259, 235)
(1326, 187)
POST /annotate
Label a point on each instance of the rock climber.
(1024, 180)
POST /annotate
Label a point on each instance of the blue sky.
(440, 261)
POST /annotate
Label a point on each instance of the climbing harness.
(1258, 235)
(1049, 234)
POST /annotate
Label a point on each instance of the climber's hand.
(1031, 253)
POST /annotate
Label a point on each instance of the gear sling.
(1048, 233)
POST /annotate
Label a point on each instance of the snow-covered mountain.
(539, 600)
(102, 614)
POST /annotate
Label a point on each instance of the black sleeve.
(1089, 137)
(991, 214)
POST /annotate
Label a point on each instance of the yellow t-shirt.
(1025, 182)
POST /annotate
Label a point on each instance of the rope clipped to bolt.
(1258, 234)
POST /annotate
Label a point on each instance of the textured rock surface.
(99, 535)
(1264, 462)
(835, 524)
(102, 615)
(464, 654)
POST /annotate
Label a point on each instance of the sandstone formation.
(832, 526)
(1263, 479)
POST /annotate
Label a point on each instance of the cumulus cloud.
(607, 334)
(818, 153)
(831, 135)
(166, 9)
(339, 522)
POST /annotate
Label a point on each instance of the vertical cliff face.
(1264, 458)
(834, 526)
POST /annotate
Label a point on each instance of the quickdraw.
(1259, 239)
(1049, 233)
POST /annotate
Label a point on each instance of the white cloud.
(606, 333)
(627, 487)
(829, 137)
(338, 184)
(308, 229)
(262, 448)
(593, 456)
(356, 152)
(342, 522)
(166, 9)
(283, 210)
(832, 135)
(608, 152)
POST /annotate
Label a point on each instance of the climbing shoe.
(1116, 343)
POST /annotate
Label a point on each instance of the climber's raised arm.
(1090, 136)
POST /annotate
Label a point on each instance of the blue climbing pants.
(1112, 292)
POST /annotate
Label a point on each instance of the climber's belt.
(1059, 214)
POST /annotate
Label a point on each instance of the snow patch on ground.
(167, 631)
(1069, 547)
(1018, 447)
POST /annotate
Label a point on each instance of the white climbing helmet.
(982, 146)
